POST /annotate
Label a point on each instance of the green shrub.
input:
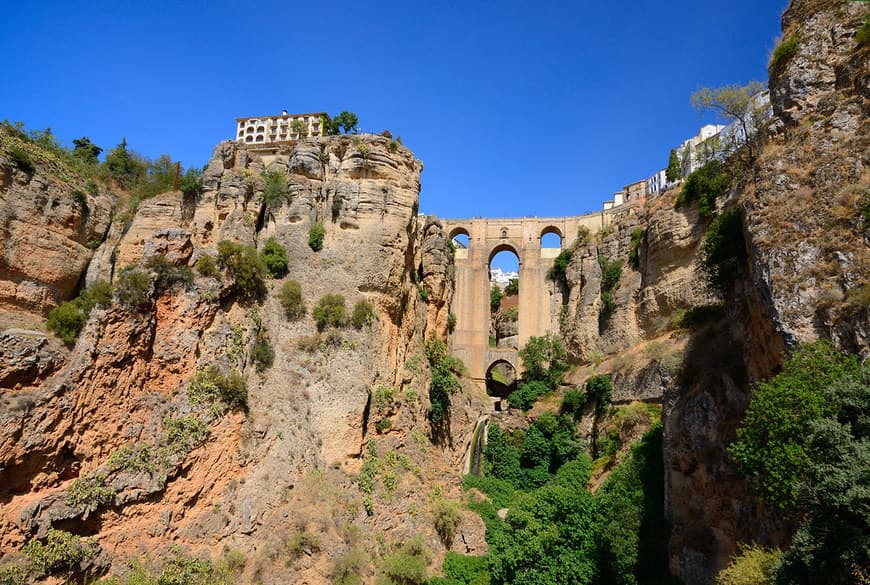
(445, 381)
(134, 459)
(61, 551)
(209, 385)
(291, 300)
(168, 275)
(185, 433)
(572, 403)
(782, 54)
(363, 313)
(406, 566)
(89, 493)
(611, 270)
(66, 320)
(329, 311)
(723, 252)
(262, 355)
(206, 267)
(527, 393)
(182, 570)
(13, 575)
(274, 256)
(191, 183)
(495, 296)
(770, 446)
(348, 569)
(80, 199)
(705, 185)
(244, 265)
(545, 360)
(447, 519)
(303, 542)
(383, 425)
(752, 565)
(275, 191)
(133, 288)
(22, 160)
(451, 322)
(862, 37)
(315, 237)
(600, 390)
(560, 264)
(637, 236)
(383, 398)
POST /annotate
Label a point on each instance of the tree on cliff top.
(347, 121)
(733, 102)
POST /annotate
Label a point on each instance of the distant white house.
(279, 129)
(500, 277)
(657, 183)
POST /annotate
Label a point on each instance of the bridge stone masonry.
(486, 238)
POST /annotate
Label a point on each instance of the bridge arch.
(551, 230)
(504, 247)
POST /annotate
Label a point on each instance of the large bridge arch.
(486, 238)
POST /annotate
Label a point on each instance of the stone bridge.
(486, 238)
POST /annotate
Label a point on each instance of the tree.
(191, 183)
(733, 102)
(544, 359)
(124, 168)
(347, 121)
(274, 256)
(512, 288)
(300, 128)
(86, 151)
(495, 297)
(673, 173)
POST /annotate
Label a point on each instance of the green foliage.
(167, 274)
(704, 186)
(61, 551)
(13, 575)
(753, 565)
(347, 569)
(275, 190)
(600, 389)
(86, 151)
(206, 267)
(363, 314)
(862, 37)
(451, 322)
(303, 542)
(512, 288)
(495, 296)
(611, 270)
(183, 570)
(133, 288)
(583, 235)
(244, 265)
(67, 319)
(383, 398)
(407, 565)
(300, 128)
(527, 393)
(262, 354)
(499, 491)
(191, 183)
(209, 385)
(560, 265)
(723, 252)
(315, 237)
(445, 381)
(274, 256)
(137, 459)
(447, 519)
(637, 236)
(782, 54)
(347, 121)
(572, 403)
(291, 300)
(185, 433)
(21, 159)
(771, 442)
(124, 169)
(330, 311)
(673, 171)
(545, 360)
(383, 425)
(89, 493)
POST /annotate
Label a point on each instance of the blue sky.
(515, 108)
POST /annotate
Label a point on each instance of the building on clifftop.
(283, 128)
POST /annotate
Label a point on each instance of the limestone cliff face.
(46, 235)
(288, 464)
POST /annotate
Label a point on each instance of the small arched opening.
(261, 128)
(459, 238)
(260, 138)
(551, 237)
(501, 380)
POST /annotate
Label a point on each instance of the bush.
(89, 493)
(348, 568)
(637, 235)
(13, 575)
(705, 185)
(67, 319)
(191, 183)
(560, 265)
(136, 459)
(329, 312)
(245, 266)
(600, 389)
(527, 393)
(275, 191)
(291, 300)
(406, 566)
(572, 403)
(186, 433)
(753, 565)
(444, 380)
(611, 270)
(206, 267)
(182, 570)
(22, 160)
(363, 313)
(451, 322)
(544, 359)
(723, 252)
(209, 385)
(315, 237)
(782, 54)
(262, 355)
(447, 519)
(61, 551)
(134, 288)
(383, 425)
(168, 275)
(862, 37)
(303, 542)
(274, 256)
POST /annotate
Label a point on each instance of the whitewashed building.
(281, 128)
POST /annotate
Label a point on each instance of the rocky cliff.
(121, 411)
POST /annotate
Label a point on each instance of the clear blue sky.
(515, 108)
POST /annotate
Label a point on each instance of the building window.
(248, 138)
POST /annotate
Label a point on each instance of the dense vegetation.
(723, 252)
(445, 381)
(545, 364)
(704, 186)
(68, 318)
(611, 270)
(805, 445)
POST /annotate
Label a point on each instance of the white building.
(657, 183)
(281, 128)
(500, 277)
